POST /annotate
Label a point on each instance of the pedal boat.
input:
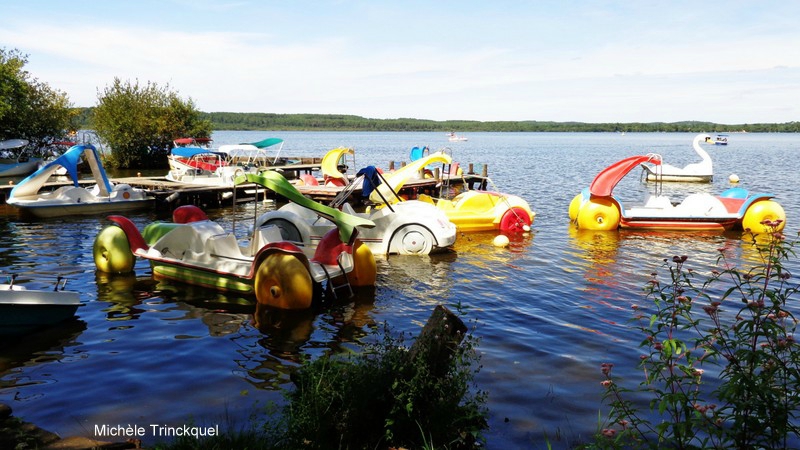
(699, 172)
(474, 210)
(597, 208)
(103, 197)
(407, 227)
(279, 273)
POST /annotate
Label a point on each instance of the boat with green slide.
(195, 250)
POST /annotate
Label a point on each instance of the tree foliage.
(139, 122)
(314, 122)
(29, 108)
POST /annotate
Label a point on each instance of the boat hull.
(679, 223)
(204, 277)
(19, 169)
(46, 209)
(23, 311)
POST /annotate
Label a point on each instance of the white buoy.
(526, 228)
(501, 240)
(733, 178)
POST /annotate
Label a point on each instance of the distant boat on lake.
(453, 137)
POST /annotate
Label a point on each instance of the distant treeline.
(328, 122)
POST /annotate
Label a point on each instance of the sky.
(729, 62)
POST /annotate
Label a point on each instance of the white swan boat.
(700, 172)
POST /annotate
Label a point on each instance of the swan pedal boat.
(475, 210)
(24, 310)
(407, 228)
(279, 273)
(103, 197)
(597, 208)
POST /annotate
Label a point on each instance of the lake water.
(549, 309)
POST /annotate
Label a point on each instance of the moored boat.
(102, 197)
(699, 172)
(278, 273)
(15, 158)
(472, 210)
(197, 163)
(24, 310)
(408, 227)
(597, 208)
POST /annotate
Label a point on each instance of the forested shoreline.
(340, 122)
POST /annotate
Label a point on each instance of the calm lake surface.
(548, 310)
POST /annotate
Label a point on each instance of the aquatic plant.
(720, 362)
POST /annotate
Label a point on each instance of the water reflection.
(597, 249)
(285, 338)
(42, 347)
(284, 332)
(124, 293)
(482, 244)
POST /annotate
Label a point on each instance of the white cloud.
(700, 74)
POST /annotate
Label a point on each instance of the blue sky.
(590, 61)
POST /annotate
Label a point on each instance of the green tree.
(139, 122)
(29, 108)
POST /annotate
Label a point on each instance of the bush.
(139, 123)
(743, 331)
(384, 398)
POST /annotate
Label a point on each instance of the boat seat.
(658, 202)
(263, 236)
(224, 245)
(177, 241)
(348, 208)
(309, 180)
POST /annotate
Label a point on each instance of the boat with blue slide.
(103, 197)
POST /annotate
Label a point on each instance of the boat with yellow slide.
(473, 210)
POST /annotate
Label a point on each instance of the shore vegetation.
(719, 357)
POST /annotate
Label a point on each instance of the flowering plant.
(721, 366)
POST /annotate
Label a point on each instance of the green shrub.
(382, 398)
